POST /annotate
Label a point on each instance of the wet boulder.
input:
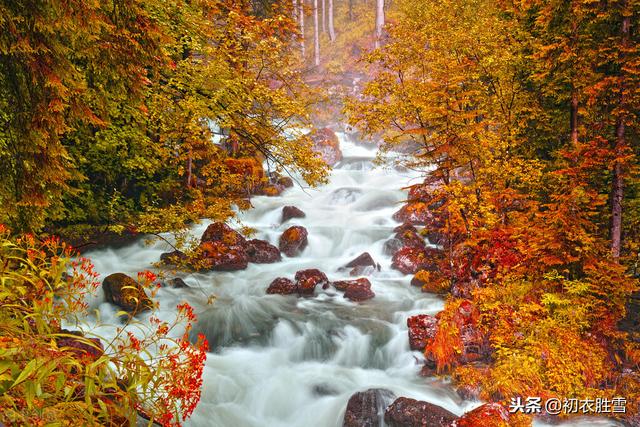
(307, 280)
(126, 293)
(363, 260)
(293, 241)
(270, 190)
(174, 257)
(284, 181)
(487, 415)
(289, 212)
(178, 283)
(422, 329)
(282, 286)
(357, 290)
(80, 345)
(221, 232)
(410, 238)
(218, 256)
(405, 412)
(262, 252)
(325, 142)
(392, 246)
(410, 260)
(419, 213)
(366, 408)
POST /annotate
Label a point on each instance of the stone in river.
(262, 252)
(126, 293)
(293, 241)
(405, 412)
(282, 286)
(289, 212)
(307, 280)
(366, 408)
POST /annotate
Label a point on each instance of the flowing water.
(281, 361)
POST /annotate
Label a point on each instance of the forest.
(453, 186)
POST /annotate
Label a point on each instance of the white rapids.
(280, 361)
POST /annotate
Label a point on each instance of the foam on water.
(279, 361)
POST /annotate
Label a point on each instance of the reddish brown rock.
(285, 181)
(422, 329)
(126, 293)
(307, 280)
(293, 240)
(221, 232)
(410, 238)
(419, 213)
(405, 412)
(410, 260)
(262, 252)
(282, 286)
(289, 212)
(270, 189)
(363, 260)
(178, 283)
(218, 256)
(326, 143)
(487, 415)
(392, 246)
(357, 290)
(174, 257)
(366, 408)
(76, 342)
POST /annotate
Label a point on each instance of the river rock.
(307, 280)
(392, 246)
(326, 143)
(221, 232)
(363, 260)
(174, 257)
(405, 412)
(285, 181)
(357, 290)
(84, 347)
(262, 252)
(218, 256)
(422, 329)
(126, 293)
(289, 212)
(418, 213)
(270, 189)
(178, 283)
(410, 238)
(293, 241)
(487, 415)
(282, 286)
(410, 260)
(366, 408)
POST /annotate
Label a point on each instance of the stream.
(283, 361)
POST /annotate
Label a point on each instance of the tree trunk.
(618, 174)
(332, 32)
(301, 16)
(324, 16)
(189, 170)
(316, 39)
(574, 117)
(350, 10)
(379, 21)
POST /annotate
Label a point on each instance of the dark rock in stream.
(82, 346)
(422, 329)
(221, 232)
(126, 293)
(178, 283)
(174, 257)
(366, 408)
(219, 256)
(363, 260)
(289, 212)
(410, 260)
(487, 415)
(282, 286)
(262, 252)
(326, 143)
(307, 280)
(359, 290)
(293, 241)
(405, 412)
